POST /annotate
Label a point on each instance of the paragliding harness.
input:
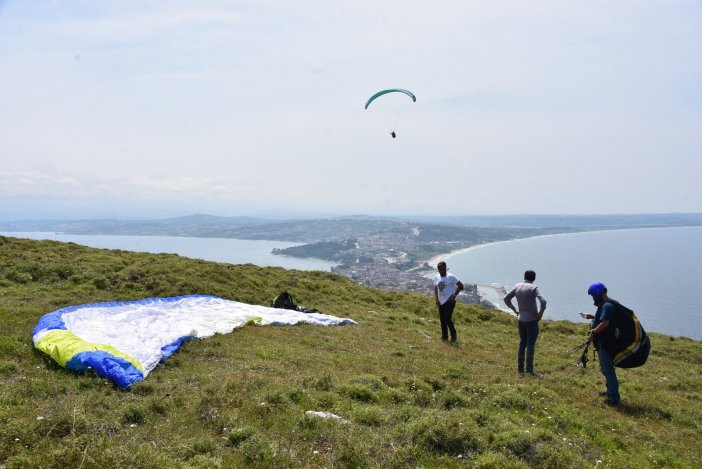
(285, 301)
(583, 358)
(624, 339)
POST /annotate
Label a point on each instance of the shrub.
(256, 451)
(446, 435)
(493, 460)
(133, 415)
(203, 446)
(452, 399)
(239, 435)
(368, 415)
(359, 393)
(63, 271)
(100, 283)
(326, 400)
(18, 276)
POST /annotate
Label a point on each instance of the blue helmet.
(596, 290)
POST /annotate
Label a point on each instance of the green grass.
(240, 399)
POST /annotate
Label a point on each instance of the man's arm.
(459, 289)
(599, 329)
(605, 315)
(508, 301)
(542, 302)
(436, 295)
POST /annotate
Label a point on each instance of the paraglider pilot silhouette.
(392, 90)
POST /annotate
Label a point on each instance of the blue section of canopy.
(117, 369)
(170, 349)
(50, 321)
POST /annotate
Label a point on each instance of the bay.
(653, 271)
(229, 250)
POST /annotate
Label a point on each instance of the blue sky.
(155, 109)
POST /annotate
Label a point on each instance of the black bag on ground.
(625, 339)
(284, 301)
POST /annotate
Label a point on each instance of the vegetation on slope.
(240, 399)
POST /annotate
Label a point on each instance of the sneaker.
(534, 374)
(602, 393)
(611, 403)
(454, 339)
(521, 373)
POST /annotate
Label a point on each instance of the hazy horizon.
(156, 110)
(284, 216)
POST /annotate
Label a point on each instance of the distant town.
(379, 274)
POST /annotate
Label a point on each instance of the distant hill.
(192, 225)
(340, 228)
(575, 222)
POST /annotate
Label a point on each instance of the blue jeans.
(528, 332)
(607, 368)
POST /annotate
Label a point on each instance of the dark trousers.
(528, 332)
(445, 313)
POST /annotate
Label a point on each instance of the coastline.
(489, 292)
(567, 273)
(444, 256)
(493, 292)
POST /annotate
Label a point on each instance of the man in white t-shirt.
(446, 289)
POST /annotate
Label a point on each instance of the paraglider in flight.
(391, 90)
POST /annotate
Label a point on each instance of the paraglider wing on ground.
(124, 341)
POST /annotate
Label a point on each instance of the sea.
(652, 271)
(229, 250)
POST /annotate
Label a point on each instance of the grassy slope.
(239, 399)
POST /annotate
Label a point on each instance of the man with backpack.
(618, 337)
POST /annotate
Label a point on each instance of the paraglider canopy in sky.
(391, 90)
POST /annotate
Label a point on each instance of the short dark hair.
(530, 275)
(441, 264)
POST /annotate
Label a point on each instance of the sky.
(154, 109)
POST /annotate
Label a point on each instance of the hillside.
(240, 399)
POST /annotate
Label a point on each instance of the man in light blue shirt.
(527, 293)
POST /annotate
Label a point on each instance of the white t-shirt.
(446, 286)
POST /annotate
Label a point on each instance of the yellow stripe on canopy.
(63, 345)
